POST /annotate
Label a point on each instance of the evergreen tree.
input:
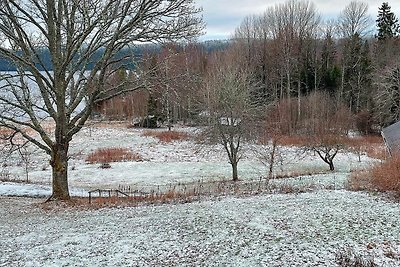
(330, 72)
(387, 23)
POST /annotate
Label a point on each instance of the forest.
(286, 53)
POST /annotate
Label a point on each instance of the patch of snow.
(32, 190)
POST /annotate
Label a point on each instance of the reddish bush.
(386, 176)
(383, 177)
(360, 180)
(167, 136)
(292, 140)
(105, 155)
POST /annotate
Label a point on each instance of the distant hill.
(135, 52)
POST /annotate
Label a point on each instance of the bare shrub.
(167, 136)
(292, 140)
(386, 176)
(371, 145)
(359, 180)
(106, 155)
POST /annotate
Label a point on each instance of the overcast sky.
(223, 16)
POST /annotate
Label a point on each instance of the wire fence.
(196, 191)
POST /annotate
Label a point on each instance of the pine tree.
(387, 23)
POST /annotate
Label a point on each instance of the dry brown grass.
(372, 145)
(167, 136)
(171, 196)
(376, 152)
(106, 155)
(5, 131)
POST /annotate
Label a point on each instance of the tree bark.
(272, 159)
(235, 172)
(59, 164)
(331, 166)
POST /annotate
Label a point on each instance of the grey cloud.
(223, 16)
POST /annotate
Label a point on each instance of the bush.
(167, 136)
(386, 176)
(383, 177)
(359, 180)
(106, 155)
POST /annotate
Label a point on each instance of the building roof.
(391, 135)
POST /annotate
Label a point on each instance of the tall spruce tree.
(387, 23)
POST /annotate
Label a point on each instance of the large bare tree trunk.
(59, 165)
(73, 32)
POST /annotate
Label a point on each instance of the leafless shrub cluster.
(168, 136)
(107, 155)
(383, 177)
(371, 145)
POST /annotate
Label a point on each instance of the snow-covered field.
(164, 163)
(298, 229)
(270, 230)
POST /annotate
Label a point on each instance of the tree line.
(290, 52)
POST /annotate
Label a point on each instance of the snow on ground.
(269, 230)
(165, 163)
(305, 229)
(32, 190)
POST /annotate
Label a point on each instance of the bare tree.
(353, 24)
(325, 123)
(276, 45)
(76, 34)
(268, 148)
(354, 19)
(231, 111)
(387, 96)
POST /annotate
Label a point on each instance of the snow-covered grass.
(166, 163)
(297, 229)
(270, 230)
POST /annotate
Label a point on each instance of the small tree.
(268, 152)
(231, 110)
(325, 125)
(275, 127)
(326, 146)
